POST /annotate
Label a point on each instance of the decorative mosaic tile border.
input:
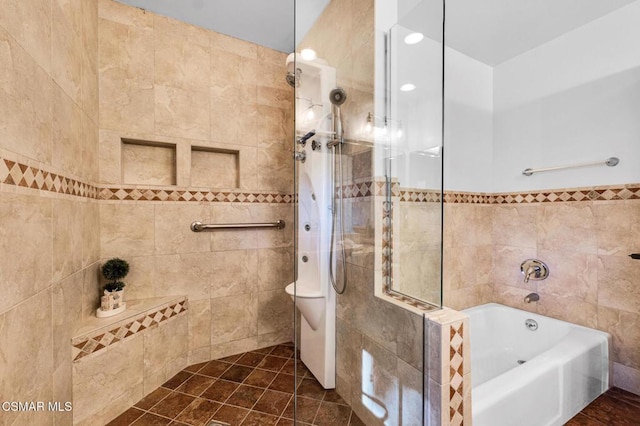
(148, 194)
(456, 374)
(357, 190)
(609, 193)
(18, 174)
(468, 198)
(605, 193)
(418, 196)
(612, 193)
(387, 245)
(102, 338)
(22, 175)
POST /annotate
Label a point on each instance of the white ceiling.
(493, 31)
(269, 23)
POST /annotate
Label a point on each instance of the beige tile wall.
(49, 241)
(51, 73)
(165, 81)
(586, 244)
(468, 255)
(417, 250)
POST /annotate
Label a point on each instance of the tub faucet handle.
(531, 270)
(531, 297)
(534, 269)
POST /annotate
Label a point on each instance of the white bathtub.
(566, 367)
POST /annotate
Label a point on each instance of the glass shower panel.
(411, 132)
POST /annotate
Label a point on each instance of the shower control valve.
(300, 156)
(302, 140)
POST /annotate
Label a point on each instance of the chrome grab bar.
(611, 162)
(199, 226)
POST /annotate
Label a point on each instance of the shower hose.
(334, 214)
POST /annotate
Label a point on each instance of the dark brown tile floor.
(251, 389)
(256, 389)
(615, 407)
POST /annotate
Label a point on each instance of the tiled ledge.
(98, 333)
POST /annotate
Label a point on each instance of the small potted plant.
(112, 301)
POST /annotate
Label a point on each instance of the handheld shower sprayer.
(337, 97)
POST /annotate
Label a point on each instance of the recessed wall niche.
(148, 163)
(215, 168)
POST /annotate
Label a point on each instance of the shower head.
(338, 96)
(293, 79)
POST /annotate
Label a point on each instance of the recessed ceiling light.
(308, 54)
(413, 38)
(407, 87)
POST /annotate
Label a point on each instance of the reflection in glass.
(412, 136)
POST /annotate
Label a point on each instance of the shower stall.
(350, 191)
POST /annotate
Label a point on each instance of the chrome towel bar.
(199, 226)
(611, 162)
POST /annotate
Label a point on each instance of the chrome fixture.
(337, 97)
(611, 162)
(531, 297)
(333, 143)
(531, 324)
(293, 78)
(300, 156)
(388, 127)
(533, 269)
(199, 226)
(302, 140)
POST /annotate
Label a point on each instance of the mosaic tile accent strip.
(420, 196)
(102, 338)
(608, 193)
(22, 175)
(468, 198)
(604, 193)
(153, 194)
(18, 174)
(357, 190)
(387, 245)
(456, 374)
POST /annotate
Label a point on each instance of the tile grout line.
(280, 417)
(264, 389)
